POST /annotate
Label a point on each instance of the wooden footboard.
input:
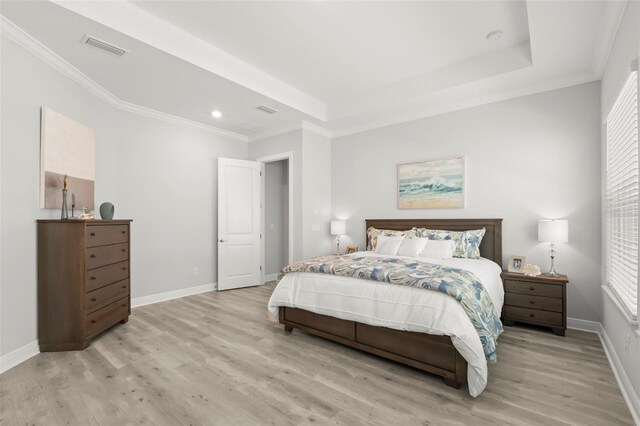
(433, 354)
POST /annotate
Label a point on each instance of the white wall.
(626, 48)
(316, 194)
(527, 158)
(311, 182)
(162, 176)
(276, 210)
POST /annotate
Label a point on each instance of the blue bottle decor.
(106, 211)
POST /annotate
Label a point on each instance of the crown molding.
(532, 89)
(317, 129)
(39, 50)
(274, 132)
(613, 13)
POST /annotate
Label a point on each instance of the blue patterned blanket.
(462, 285)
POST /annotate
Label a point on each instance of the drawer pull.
(124, 305)
(93, 256)
(123, 250)
(93, 234)
(532, 302)
(532, 288)
(93, 321)
(93, 278)
(124, 232)
(532, 315)
(93, 299)
(124, 286)
(124, 268)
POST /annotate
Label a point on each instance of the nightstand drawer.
(537, 289)
(533, 316)
(533, 302)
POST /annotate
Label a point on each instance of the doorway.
(277, 214)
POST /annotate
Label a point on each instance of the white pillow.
(412, 247)
(388, 245)
(438, 249)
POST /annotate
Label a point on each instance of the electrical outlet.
(195, 271)
(627, 340)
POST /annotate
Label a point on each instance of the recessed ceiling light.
(216, 114)
(494, 35)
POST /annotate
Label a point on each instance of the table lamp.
(553, 231)
(338, 227)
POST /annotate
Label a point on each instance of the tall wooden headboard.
(490, 248)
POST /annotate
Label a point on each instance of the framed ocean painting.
(433, 184)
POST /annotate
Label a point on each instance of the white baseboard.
(584, 325)
(20, 355)
(270, 277)
(629, 394)
(169, 295)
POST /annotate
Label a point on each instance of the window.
(622, 197)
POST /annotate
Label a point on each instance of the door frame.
(270, 159)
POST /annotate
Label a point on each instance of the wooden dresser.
(540, 300)
(83, 281)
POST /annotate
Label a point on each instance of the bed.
(440, 347)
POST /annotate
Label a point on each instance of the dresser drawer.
(100, 235)
(106, 255)
(533, 302)
(107, 316)
(106, 295)
(533, 316)
(100, 277)
(536, 289)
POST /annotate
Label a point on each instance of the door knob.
(222, 241)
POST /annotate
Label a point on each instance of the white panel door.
(239, 224)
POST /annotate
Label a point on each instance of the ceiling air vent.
(102, 45)
(267, 109)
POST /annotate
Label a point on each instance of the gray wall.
(526, 158)
(276, 200)
(162, 176)
(626, 48)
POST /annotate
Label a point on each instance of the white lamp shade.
(338, 227)
(553, 231)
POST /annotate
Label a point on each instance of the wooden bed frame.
(430, 353)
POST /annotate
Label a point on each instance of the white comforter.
(396, 306)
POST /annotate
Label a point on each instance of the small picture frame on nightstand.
(351, 248)
(516, 264)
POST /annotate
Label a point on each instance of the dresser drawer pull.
(93, 234)
(124, 286)
(93, 278)
(124, 305)
(124, 268)
(123, 250)
(124, 232)
(93, 321)
(532, 288)
(93, 256)
(532, 302)
(532, 315)
(93, 299)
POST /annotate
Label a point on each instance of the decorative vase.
(65, 212)
(106, 211)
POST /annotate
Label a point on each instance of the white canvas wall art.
(67, 148)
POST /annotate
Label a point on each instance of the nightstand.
(540, 300)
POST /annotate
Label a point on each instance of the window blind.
(622, 196)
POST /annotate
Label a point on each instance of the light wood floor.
(214, 358)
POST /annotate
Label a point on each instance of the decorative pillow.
(437, 249)
(388, 245)
(373, 234)
(412, 246)
(466, 243)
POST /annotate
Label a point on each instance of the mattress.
(398, 307)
